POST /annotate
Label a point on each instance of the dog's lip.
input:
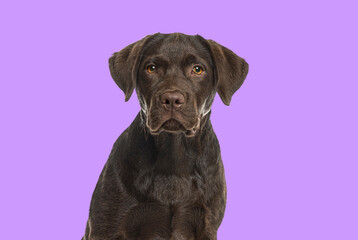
(188, 132)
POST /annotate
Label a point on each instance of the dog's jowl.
(164, 178)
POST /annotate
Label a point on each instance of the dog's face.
(176, 77)
(175, 84)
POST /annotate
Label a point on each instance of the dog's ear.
(123, 66)
(230, 71)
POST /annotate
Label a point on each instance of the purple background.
(288, 140)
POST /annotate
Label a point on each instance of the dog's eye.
(151, 68)
(197, 70)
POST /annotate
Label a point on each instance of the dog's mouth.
(174, 126)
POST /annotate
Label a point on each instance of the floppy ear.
(123, 66)
(230, 71)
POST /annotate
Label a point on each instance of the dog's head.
(176, 77)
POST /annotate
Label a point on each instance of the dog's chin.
(174, 126)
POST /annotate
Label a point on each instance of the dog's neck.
(175, 153)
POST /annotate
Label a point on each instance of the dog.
(164, 178)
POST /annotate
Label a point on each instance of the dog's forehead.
(177, 46)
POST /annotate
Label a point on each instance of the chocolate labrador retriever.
(164, 178)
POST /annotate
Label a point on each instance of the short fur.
(164, 178)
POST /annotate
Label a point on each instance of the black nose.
(172, 100)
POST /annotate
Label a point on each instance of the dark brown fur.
(164, 178)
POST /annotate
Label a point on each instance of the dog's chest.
(170, 188)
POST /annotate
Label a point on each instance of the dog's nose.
(172, 100)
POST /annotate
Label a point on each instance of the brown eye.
(197, 70)
(151, 68)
